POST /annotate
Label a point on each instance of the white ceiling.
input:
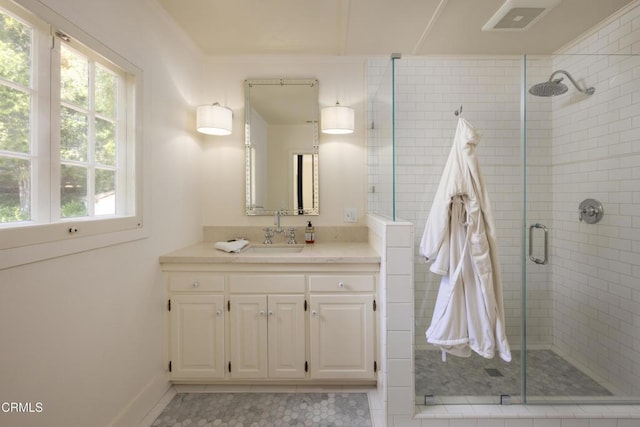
(377, 27)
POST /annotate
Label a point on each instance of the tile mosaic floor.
(266, 409)
(548, 375)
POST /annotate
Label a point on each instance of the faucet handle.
(268, 234)
(292, 236)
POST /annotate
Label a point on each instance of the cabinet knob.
(341, 285)
(218, 313)
(195, 284)
(271, 313)
(262, 313)
(314, 313)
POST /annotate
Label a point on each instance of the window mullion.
(125, 184)
(91, 141)
(54, 133)
(41, 123)
(18, 86)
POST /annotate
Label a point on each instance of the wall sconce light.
(214, 119)
(337, 119)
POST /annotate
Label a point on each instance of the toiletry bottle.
(309, 233)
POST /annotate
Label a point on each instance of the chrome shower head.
(555, 87)
(549, 88)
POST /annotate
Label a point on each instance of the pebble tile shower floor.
(547, 375)
(266, 409)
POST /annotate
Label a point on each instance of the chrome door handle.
(546, 243)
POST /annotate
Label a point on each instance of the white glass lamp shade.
(214, 119)
(337, 119)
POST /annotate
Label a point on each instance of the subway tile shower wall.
(596, 154)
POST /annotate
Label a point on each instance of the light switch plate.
(350, 214)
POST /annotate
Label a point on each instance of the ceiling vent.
(519, 15)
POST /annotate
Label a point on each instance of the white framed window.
(70, 143)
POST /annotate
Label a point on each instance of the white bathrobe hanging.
(460, 240)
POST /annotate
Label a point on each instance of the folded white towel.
(232, 246)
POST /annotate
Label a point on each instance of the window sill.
(13, 257)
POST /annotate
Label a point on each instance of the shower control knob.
(590, 211)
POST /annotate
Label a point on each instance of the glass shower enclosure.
(563, 176)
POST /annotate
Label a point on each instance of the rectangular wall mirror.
(281, 146)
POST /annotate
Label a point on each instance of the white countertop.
(316, 253)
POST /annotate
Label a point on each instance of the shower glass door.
(582, 228)
(427, 92)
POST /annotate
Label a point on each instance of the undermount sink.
(275, 249)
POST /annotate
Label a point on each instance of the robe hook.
(458, 112)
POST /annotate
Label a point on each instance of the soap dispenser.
(309, 233)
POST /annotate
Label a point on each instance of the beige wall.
(83, 333)
(342, 157)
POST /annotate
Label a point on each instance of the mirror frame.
(270, 210)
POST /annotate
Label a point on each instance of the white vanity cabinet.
(267, 326)
(342, 326)
(196, 326)
(270, 320)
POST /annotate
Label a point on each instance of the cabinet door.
(197, 336)
(248, 336)
(342, 333)
(286, 336)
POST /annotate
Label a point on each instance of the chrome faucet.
(276, 222)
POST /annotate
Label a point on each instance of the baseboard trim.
(143, 402)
